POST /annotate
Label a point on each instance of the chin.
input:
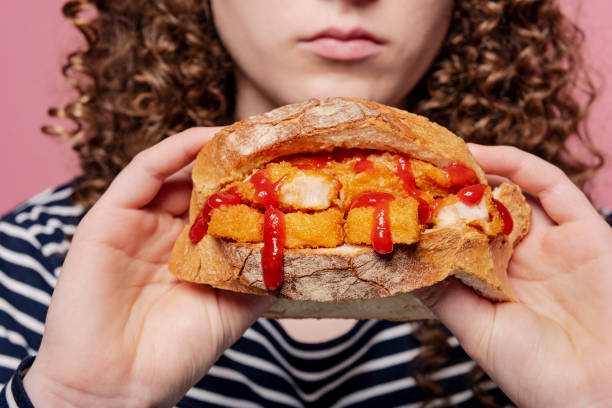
(335, 85)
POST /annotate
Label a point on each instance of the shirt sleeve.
(33, 241)
(14, 395)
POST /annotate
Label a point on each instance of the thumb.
(468, 316)
(239, 311)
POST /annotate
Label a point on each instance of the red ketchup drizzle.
(312, 162)
(435, 205)
(343, 154)
(266, 193)
(404, 172)
(273, 249)
(381, 227)
(200, 225)
(424, 211)
(506, 217)
(471, 195)
(362, 163)
(459, 175)
(303, 166)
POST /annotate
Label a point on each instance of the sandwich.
(344, 207)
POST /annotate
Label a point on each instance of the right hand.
(553, 347)
(121, 330)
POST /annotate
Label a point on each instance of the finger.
(539, 219)
(174, 195)
(560, 198)
(231, 313)
(494, 180)
(173, 198)
(239, 311)
(142, 179)
(467, 315)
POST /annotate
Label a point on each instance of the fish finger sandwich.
(342, 208)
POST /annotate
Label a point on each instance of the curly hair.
(509, 72)
(149, 69)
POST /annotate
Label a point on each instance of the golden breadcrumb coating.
(246, 191)
(403, 219)
(383, 178)
(236, 222)
(320, 229)
(302, 230)
(316, 192)
(430, 178)
(377, 179)
(495, 226)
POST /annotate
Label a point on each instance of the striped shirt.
(368, 366)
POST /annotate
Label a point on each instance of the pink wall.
(34, 40)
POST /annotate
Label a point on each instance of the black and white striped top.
(368, 366)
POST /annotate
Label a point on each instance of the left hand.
(554, 347)
(121, 330)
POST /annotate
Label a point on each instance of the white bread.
(348, 281)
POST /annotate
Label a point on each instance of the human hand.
(553, 347)
(121, 330)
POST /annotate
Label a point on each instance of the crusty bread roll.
(349, 281)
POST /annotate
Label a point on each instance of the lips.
(343, 45)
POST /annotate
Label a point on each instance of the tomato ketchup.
(505, 216)
(459, 175)
(311, 162)
(362, 163)
(266, 192)
(471, 195)
(435, 205)
(404, 172)
(200, 226)
(273, 249)
(381, 226)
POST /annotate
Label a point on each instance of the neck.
(250, 100)
(316, 330)
(253, 100)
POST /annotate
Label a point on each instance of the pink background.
(34, 40)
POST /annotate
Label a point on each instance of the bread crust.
(331, 282)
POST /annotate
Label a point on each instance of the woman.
(115, 332)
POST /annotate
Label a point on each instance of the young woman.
(121, 331)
